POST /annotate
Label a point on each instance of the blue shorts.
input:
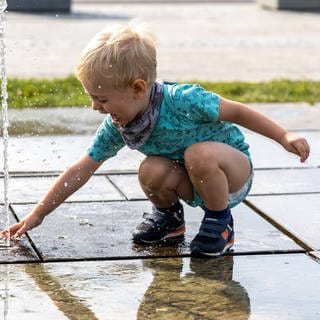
(234, 198)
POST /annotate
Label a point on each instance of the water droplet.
(66, 184)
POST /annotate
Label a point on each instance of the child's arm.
(66, 184)
(247, 117)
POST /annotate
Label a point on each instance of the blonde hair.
(121, 54)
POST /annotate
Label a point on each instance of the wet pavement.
(81, 264)
(239, 287)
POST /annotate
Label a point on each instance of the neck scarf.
(137, 132)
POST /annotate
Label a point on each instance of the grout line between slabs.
(116, 187)
(54, 173)
(283, 193)
(137, 257)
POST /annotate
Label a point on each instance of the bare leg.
(215, 170)
(164, 181)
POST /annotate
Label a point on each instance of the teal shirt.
(188, 114)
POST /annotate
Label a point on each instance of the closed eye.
(101, 100)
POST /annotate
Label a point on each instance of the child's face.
(123, 105)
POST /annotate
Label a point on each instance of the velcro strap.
(209, 234)
(157, 217)
(212, 228)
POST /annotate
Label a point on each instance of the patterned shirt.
(188, 114)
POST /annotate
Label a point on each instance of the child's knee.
(153, 169)
(199, 155)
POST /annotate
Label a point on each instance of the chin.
(117, 122)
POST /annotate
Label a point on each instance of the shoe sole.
(216, 254)
(174, 235)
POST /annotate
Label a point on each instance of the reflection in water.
(5, 295)
(71, 306)
(179, 288)
(207, 291)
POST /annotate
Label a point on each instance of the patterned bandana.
(137, 132)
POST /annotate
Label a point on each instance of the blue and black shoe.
(215, 237)
(160, 226)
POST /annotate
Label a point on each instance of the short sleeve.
(107, 142)
(201, 105)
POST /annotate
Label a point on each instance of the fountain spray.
(5, 121)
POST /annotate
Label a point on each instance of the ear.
(139, 87)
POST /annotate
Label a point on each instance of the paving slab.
(257, 287)
(52, 153)
(103, 230)
(286, 181)
(268, 154)
(18, 251)
(129, 185)
(297, 213)
(293, 116)
(98, 188)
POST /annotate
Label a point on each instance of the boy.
(193, 150)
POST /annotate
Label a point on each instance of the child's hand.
(18, 229)
(296, 144)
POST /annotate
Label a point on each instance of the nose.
(95, 105)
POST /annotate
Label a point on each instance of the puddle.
(247, 287)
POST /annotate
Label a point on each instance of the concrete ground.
(81, 264)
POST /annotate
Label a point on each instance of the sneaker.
(215, 237)
(158, 226)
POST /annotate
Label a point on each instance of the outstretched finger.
(12, 230)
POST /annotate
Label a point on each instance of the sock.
(174, 208)
(222, 214)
